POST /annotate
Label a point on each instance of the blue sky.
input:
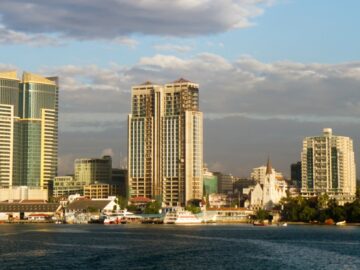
(289, 63)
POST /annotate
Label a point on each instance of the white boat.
(121, 217)
(181, 217)
(340, 223)
(113, 219)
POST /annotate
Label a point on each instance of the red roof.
(39, 215)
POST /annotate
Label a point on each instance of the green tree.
(152, 208)
(307, 214)
(193, 209)
(262, 214)
(122, 201)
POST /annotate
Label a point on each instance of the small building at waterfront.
(27, 209)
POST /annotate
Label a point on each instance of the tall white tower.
(328, 166)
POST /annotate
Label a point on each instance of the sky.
(270, 71)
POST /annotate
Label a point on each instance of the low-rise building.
(227, 215)
(101, 191)
(84, 210)
(258, 174)
(67, 185)
(219, 200)
(19, 193)
(28, 209)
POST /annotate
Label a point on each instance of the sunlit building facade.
(93, 170)
(328, 166)
(166, 142)
(29, 129)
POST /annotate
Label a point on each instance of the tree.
(152, 208)
(307, 214)
(262, 214)
(193, 209)
(122, 201)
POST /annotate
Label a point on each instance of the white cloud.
(131, 43)
(173, 47)
(8, 37)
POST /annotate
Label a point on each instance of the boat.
(340, 223)
(113, 219)
(181, 217)
(259, 223)
(121, 217)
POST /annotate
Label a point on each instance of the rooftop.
(87, 203)
(182, 80)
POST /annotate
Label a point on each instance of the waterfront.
(50, 246)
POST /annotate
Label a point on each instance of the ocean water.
(51, 246)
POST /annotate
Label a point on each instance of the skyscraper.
(29, 111)
(9, 114)
(328, 166)
(166, 142)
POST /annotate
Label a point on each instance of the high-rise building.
(328, 166)
(295, 169)
(9, 115)
(29, 129)
(166, 142)
(93, 170)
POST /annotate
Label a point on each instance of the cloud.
(245, 87)
(173, 47)
(131, 43)
(15, 38)
(109, 19)
(107, 152)
(252, 106)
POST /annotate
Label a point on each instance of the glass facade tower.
(34, 133)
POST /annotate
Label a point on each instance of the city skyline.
(271, 72)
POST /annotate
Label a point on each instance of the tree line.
(318, 209)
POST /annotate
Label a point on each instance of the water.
(51, 246)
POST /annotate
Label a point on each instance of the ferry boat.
(181, 217)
